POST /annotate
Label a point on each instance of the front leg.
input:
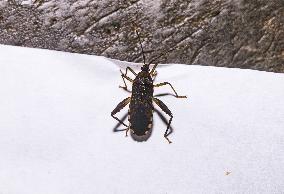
(153, 72)
(124, 76)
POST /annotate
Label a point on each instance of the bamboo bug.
(140, 112)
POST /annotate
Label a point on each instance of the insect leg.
(132, 71)
(124, 76)
(153, 72)
(167, 83)
(125, 86)
(168, 112)
(118, 108)
(155, 75)
(116, 128)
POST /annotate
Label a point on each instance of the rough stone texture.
(231, 33)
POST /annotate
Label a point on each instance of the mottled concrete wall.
(231, 33)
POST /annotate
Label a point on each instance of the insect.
(140, 112)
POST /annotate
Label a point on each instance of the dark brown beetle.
(140, 113)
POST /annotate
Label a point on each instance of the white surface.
(56, 130)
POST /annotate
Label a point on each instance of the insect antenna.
(141, 46)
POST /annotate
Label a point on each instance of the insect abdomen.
(140, 122)
(141, 108)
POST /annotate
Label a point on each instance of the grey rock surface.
(230, 33)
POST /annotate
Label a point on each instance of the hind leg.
(118, 108)
(168, 112)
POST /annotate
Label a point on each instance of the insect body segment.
(141, 107)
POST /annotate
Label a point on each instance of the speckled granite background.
(231, 33)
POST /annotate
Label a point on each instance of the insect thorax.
(142, 87)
